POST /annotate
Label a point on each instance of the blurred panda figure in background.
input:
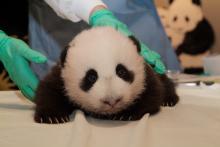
(189, 31)
(174, 36)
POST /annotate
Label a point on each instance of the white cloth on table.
(194, 122)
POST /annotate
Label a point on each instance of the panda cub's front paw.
(171, 101)
(51, 119)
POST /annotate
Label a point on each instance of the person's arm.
(15, 56)
(74, 10)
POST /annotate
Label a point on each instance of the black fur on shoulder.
(199, 40)
(52, 104)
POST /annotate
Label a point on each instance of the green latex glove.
(105, 17)
(15, 54)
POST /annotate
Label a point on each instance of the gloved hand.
(105, 17)
(15, 54)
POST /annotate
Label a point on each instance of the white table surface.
(194, 122)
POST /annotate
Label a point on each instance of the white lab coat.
(74, 10)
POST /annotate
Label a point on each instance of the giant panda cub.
(102, 74)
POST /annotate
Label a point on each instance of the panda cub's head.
(103, 71)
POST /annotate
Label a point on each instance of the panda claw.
(41, 120)
(67, 119)
(50, 120)
(130, 118)
(121, 118)
(56, 120)
(63, 121)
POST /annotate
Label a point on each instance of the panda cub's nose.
(111, 102)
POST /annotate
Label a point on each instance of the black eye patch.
(89, 79)
(124, 73)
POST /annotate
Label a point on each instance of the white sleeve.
(74, 10)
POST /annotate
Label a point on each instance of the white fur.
(102, 48)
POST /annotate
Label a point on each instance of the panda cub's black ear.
(63, 55)
(136, 42)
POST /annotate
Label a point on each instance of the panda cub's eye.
(89, 79)
(91, 76)
(124, 73)
(121, 70)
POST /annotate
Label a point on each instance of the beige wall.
(211, 9)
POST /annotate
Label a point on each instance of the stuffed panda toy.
(102, 74)
(189, 31)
